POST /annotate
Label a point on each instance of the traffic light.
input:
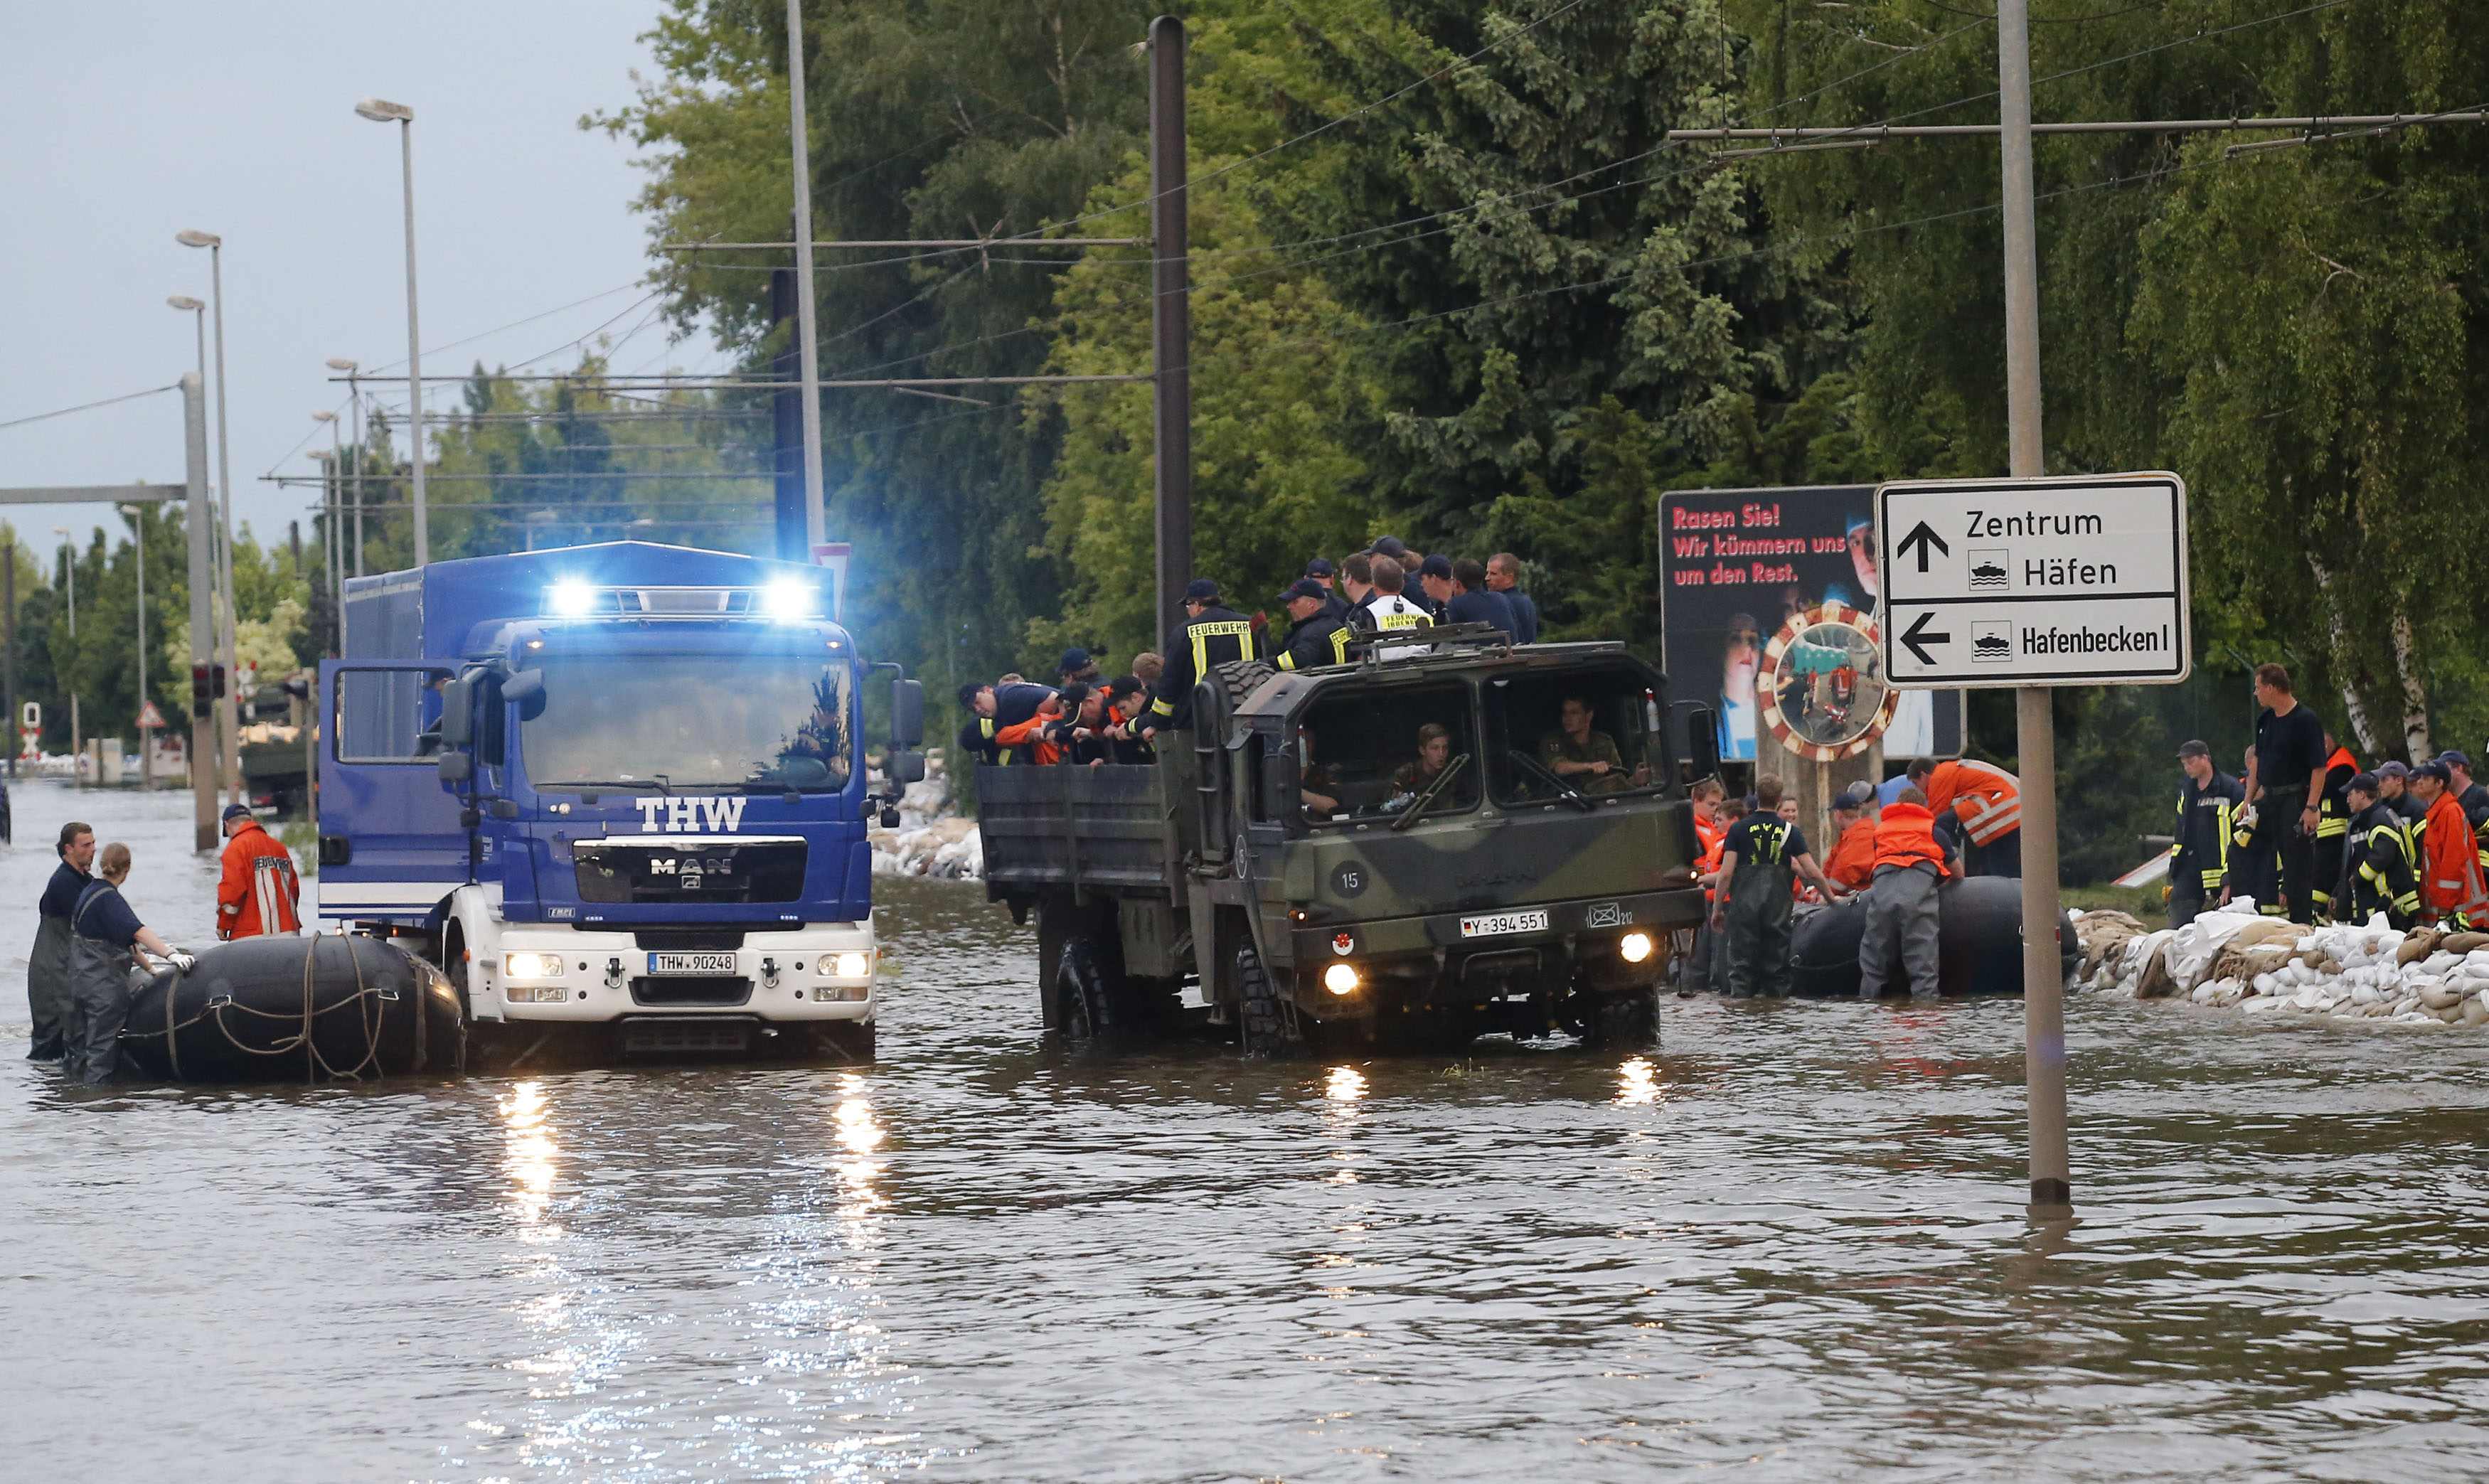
(206, 684)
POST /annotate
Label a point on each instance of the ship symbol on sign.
(1991, 642)
(1987, 570)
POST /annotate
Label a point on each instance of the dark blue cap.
(1320, 566)
(1390, 546)
(234, 811)
(2365, 782)
(2433, 769)
(2455, 758)
(1437, 566)
(1201, 590)
(1304, 588)
(2391, 770)
(1073, 662)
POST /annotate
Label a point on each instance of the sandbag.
(238, 1016)
(1979, 943)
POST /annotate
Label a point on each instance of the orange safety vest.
(1907, 835)
(2449, 879)
(258, 893)
(1031, 734)
(1852, 862)
(1713, 836)
(1987, 800)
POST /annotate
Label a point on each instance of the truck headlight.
(1340, 978)
(846, 966)
(531, 965)
(1636, 946)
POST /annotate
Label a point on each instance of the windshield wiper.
(657, 784)
(1569, 793)
(1426, 795)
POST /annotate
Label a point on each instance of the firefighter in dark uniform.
(1320, 637)
(2199, 859)
(1211, 635)
(977, 734)
(2393, 784)
(2255, 865)
(1757, 859)
(2332, 823)
(2380, 871)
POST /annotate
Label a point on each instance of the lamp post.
(227, 618)
(138, 528)
(69, 564)
(335, 545)
(353, 395)
(380, 111)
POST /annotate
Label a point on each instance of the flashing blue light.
(569, 599)
(788, 600)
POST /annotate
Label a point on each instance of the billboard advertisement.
(1737, 568)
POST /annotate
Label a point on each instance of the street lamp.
(69, 564)
(379, 111)
(138, 527)
(229, 619)
(354, 393)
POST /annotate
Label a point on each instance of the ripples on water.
(1788, 1245)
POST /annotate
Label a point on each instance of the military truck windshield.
(1573, 737)
(757, 722)
(1371, 753)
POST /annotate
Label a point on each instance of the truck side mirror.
(905, 767)
(458, 713)
(1703, 742)
(525, 691)
(907, 713)
(455, 767)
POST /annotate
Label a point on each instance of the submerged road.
(1786, 1246)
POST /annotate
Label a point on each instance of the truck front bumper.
(567, 976)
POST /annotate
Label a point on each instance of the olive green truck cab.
(1418, 847)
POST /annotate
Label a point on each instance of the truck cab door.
(391, 840)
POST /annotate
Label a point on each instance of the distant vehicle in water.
(1376, 853)
(612, 789)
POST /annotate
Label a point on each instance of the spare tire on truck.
(1979, 943)
(319, 1007)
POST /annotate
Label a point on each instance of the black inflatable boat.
(1979, 943)
(292, 1010)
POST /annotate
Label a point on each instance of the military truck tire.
(1267, 1024)
(1239, 678)
(1628, 1021)
(1084, 1008)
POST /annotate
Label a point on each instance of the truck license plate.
(1494, 923)
(691, 963)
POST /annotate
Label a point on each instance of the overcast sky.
(127, 123)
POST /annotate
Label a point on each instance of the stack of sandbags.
(2103, 935)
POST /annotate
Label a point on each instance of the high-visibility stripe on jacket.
(2206, 817)
(2334, 810)
(1214, 637)
(1905, 835)
(2451, 882)
(2378, 869)
(1321, 639)
(1987, 799)
(258, 891)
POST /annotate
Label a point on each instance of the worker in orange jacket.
(2452, 890)
(1711, 946)
(259, 894)
(1903, 915)
(1037, 734)
(1852, 861)
(1988, 803)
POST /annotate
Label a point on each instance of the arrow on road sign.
(1916, 637)
(1923, 536)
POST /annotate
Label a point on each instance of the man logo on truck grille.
(684, 816)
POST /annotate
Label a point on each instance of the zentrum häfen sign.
(2074, 580)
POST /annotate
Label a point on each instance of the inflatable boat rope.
(313, 1063)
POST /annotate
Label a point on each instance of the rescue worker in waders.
(47, 967)
(1986, 802)
(1711, 969)
(259, 895)
(1211, 635)
(2451, 893)
(1760, 859)
(2199, 858)
(2378, 870)
(1902, 908)
(107, 938)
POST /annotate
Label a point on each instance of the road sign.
(149, 717)
(2078, 581)
(30, 716)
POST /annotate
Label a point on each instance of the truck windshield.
(756, 721)
(1573, 737)
(1369, 753)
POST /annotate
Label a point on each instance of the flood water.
(1789, 1244)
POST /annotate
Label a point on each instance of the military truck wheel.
(1625, 1022)
(1239, 678)
(1266, 1022)
(1084, 1004)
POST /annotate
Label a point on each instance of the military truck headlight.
(1340, 978)
(531, 965)
(846, 966)
(1636, 946)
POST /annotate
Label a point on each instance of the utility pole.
(2044, 1006)
(787, 424)
(1171, 319)
(9, 599)
(808, 333)
(203, 721)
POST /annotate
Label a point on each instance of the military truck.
(1294, 857)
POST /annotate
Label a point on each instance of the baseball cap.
(2194, 749)
(235, 812)
(2433, 769)
(1857, 795)
(2455, 758)
(1437, 566)
(1390, 546)
(1320, 566)
(2365, 782)
(2392, 770)
(1304, 588)
(1073, 662)
(1201, 590)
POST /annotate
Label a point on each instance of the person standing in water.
(108, 937)
(47, 967)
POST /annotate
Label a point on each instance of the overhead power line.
(88, 407)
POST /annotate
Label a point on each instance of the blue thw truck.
(615, 788)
